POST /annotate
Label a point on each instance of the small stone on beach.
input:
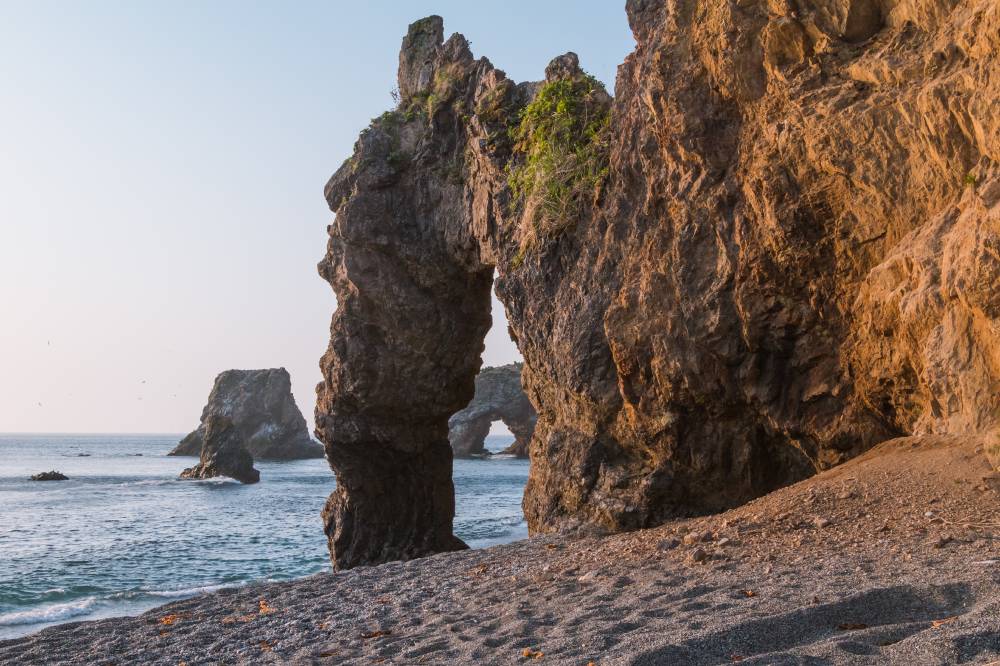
(698, 555)
(942, 541)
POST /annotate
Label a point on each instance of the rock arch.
(743, 294)
(498, 397)
(413, 291)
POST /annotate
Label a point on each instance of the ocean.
(124, 534)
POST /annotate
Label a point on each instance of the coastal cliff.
(777, 246)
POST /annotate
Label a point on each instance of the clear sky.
(161, 176)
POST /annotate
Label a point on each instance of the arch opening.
(411, 257)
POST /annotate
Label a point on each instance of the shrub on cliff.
(562, 138)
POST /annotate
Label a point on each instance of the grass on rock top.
(562, 138)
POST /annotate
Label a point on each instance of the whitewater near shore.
(891, 558)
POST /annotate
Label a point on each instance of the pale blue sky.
(161, 175)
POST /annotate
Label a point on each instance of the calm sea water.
(124, 534)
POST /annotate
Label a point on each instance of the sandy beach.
(892, 558)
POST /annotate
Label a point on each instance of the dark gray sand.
(894, 558)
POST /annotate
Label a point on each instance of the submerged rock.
(223, 453)
(49, 476)
(261, 405)
(498, 397)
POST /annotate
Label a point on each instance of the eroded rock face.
(498, 397)
(223, 453)
(261, 405)
(795, 255)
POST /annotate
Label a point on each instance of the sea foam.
(50, 613)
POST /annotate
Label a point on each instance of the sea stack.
(261, 406)
(223, 453)
(499, 397)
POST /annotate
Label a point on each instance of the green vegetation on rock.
(445, 86)
(563, 138)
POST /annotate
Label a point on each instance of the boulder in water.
(49, 476)
(223, 453)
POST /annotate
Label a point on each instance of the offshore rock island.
(498, 397)
(260, 404)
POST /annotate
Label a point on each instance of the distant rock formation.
(49, 476)
(261, 406)
(519, 447)
(223, 453)
(499, 397)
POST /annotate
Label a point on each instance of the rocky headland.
(260, 404)
(223, 453)
(498, 397)
(774, 248)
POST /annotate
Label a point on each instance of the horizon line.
(56, 432)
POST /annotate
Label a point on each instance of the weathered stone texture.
(223, 453)
(261, 405)
(795, 256)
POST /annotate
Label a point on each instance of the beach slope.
(891, 558)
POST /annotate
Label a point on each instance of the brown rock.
(692, 538)
(792, 258)
(942, 541)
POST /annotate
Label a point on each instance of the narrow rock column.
(406, 339)
(402, 359)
